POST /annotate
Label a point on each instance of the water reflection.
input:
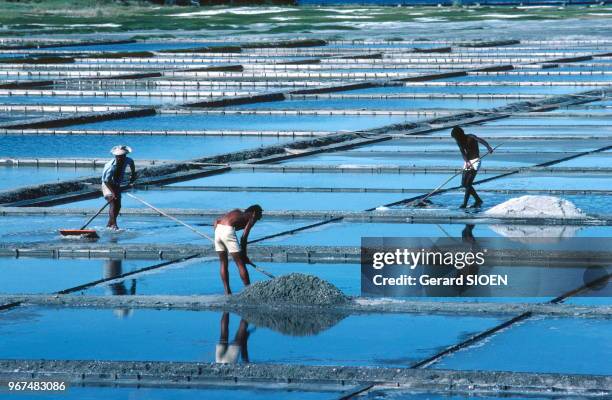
(525, 233)
(114, 269)
(468, 244)
(227, 353)
(471, 267)
(291, 321)
(596, 278)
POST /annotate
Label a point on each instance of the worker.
(468, 145)
(227, 242)
(112, 178)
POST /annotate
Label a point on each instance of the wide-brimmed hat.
(121, 150)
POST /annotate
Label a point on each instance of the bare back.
(471, 147)
(235, 218)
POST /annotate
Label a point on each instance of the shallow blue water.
(528, 145)
(31, 275)
(34, 77)
(202, 278)
(193, 336)
(144, 147)
(350, 233)
(547, 90)
(87, 100)
(23, 116)
(157, 393)
(135, 229)
(526, 180)
(534, 127)
(381, 394)
(428, 157)
(323, 179)
(250, 122)
(587, 111)
(598, 160)
(535, 78)
(13, 177)
(553, 121)
(268, 200)
(578, 346)
(586, 300)
(589, 203)
(377, 104)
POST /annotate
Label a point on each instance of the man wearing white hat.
(112, 177)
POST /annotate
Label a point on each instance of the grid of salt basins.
(334, 139)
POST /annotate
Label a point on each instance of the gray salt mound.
(297, 289)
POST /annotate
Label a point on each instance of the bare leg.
(223, 261)
(244, 273)
(467, 181)
(242, 336)
(116, 209)
(465, 184)
(224, 328)
(478, 201)
(111, 213)
(470, 180)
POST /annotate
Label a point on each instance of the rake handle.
(266, 273)
(449, 179)
(95, 215)
(170, 216)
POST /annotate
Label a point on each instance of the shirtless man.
(227, 242)
(468, 145)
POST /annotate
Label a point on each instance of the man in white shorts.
(227, 242)
(468, 145)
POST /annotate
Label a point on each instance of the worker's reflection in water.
(467, 236)
(114, 269)
(470, 244)
(228, 353)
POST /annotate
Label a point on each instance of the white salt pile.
(536, 207)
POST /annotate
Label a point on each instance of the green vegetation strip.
(27, 18)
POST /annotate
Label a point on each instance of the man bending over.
(227, 242)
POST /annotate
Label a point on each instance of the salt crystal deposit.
(293, 288)
(536, 207)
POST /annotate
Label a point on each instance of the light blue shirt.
(110, 167)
